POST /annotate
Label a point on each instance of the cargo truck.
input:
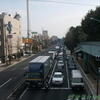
(38, 71)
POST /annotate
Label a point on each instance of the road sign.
(9, 36)
(34, 32)
(26, 40)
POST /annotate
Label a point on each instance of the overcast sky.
(57, 18)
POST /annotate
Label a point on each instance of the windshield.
(33, 75)
(77, 80)
(57, 76)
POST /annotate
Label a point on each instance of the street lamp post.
(28, 33)
(28, 19)
(95, 19)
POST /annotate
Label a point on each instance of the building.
(10, 36)
(88, 54)
(45, 35)
(45, 38)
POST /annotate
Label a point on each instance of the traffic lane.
(6, 74)
(44, 95)
(14, 75)
(52, 94)
(71, 63)
(7, 88)
(65, 82)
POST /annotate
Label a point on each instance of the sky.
(57, 17)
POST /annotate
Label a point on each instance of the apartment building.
(10, 36)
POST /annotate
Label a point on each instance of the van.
(76, 80)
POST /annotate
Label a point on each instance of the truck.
(38, 71)
(76, 80)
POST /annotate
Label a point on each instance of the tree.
(92, 27)
(74, 36)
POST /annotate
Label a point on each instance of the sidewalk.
(91, 78)
(14, 62)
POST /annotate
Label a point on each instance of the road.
(11, 77)
(55, 92)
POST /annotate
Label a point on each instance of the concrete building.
(45, 38)
(88, 56)
(45, 35)
(10, 36)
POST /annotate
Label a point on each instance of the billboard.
(26, 40)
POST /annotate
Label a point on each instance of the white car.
(58, 78)
(60, 63)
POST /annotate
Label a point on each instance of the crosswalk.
(79, 97)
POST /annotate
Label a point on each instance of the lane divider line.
(5, 83)
(23, 94)
(56, 88)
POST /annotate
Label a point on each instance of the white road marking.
(67, 75)
(57, 88)
(23, 94)
(5, 83)
(52, 72)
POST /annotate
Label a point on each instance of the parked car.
(57, 78)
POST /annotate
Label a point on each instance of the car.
(57, 78)
(60, 63)
(60, 58)
(61, 54)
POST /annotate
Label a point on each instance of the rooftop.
(40, 59)
(91, 48)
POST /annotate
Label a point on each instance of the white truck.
(76, 80)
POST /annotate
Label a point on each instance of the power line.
(68, 3)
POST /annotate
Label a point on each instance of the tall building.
(45, 35)
(45, 38)
(10, 36)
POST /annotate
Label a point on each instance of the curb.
(16, 63)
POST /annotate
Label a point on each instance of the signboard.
(25, 40)
(34, 32)
(10, 36)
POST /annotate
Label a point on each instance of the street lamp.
(95, 19)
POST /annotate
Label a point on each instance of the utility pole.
(28, 19)
(28, 34)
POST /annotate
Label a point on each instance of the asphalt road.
(55, 92)
(10, 77)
